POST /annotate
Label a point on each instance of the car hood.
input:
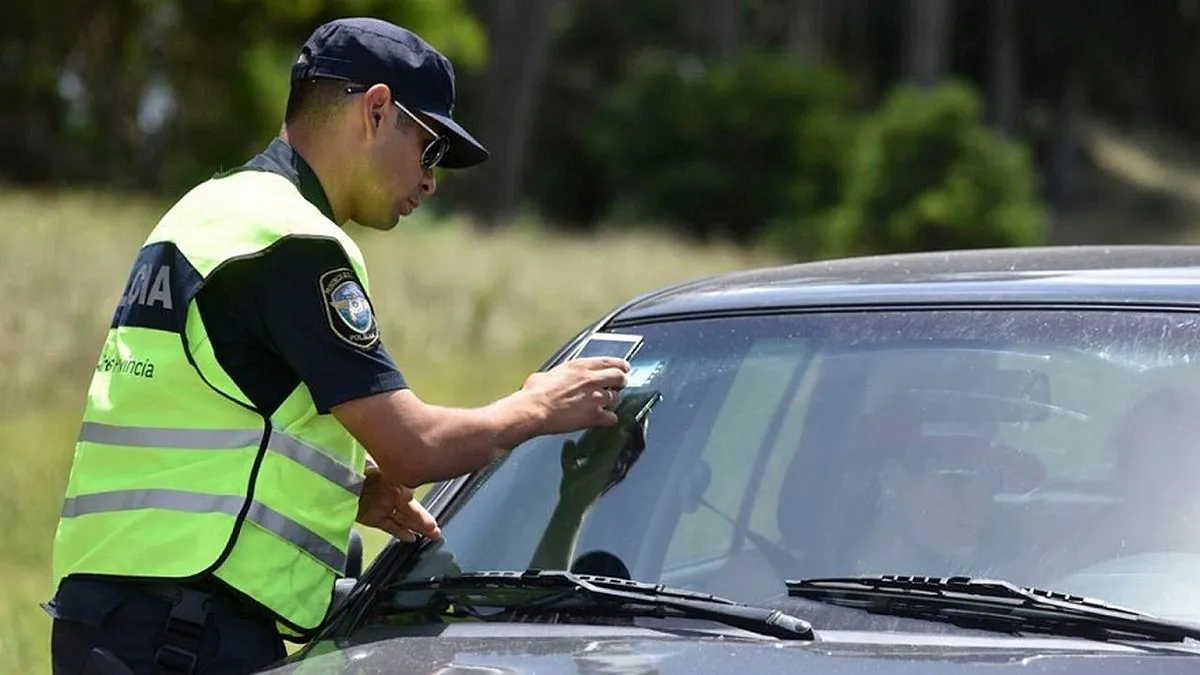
(591, 650)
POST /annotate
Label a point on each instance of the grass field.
(467, 316)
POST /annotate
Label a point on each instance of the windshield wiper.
(561, 592)
(991, 605)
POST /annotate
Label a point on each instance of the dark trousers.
(129, 621)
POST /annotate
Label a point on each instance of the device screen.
(619, 346)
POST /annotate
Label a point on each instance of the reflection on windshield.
(591, 466)
(1003, 444)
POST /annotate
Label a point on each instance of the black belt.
(220, 598)
(191, 603)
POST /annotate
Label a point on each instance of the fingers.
(403, 533)
(395, 529)
(600, 371)
(610, 378)
(424, 527)
(600, 363)
(412, 516)
(581, 392)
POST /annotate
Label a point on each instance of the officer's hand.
(393, 509)
(575, 394)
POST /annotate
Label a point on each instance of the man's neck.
(321, 162)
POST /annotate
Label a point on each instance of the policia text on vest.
(176, 474)
(149, 286)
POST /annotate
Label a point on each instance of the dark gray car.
(928, 463)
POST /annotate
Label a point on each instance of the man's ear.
(375, 104)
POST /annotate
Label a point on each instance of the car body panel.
(580, 649)
(1168, 276)
(1135, 276)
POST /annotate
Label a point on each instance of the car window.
(734, 455)
(1050, 447)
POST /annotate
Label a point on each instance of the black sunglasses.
(435, 151)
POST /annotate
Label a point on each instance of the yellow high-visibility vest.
(176, 474)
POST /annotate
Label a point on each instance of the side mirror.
(354, 556)
(345, 584)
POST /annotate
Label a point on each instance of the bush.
(723, 150)
(926, 173)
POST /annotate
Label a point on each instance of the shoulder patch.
(348, 309)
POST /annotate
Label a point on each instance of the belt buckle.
(183, 632)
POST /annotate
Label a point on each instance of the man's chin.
(380, 226)
(401, 211)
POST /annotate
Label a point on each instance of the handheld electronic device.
(620, 345)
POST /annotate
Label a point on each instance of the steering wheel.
(1166, 583)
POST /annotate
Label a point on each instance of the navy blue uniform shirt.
(273, 321)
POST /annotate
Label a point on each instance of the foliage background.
(635, 143)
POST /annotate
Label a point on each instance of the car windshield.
(1048, 447)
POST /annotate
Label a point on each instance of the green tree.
(723, 150)
(926, 173)
(77, 77)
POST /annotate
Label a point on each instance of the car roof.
(1158, 275)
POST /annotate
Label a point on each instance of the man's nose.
(429, 183)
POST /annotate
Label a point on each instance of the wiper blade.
(991, 605)
(565, 592)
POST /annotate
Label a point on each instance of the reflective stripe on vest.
(196, 502)
(226, 439)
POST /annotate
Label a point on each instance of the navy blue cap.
(370, 51)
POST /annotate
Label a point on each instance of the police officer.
(245, 413)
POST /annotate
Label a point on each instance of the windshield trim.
(837, 305)
(446, 498)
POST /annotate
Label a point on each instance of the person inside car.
(933, 494)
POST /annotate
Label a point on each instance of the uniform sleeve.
(322, 324)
